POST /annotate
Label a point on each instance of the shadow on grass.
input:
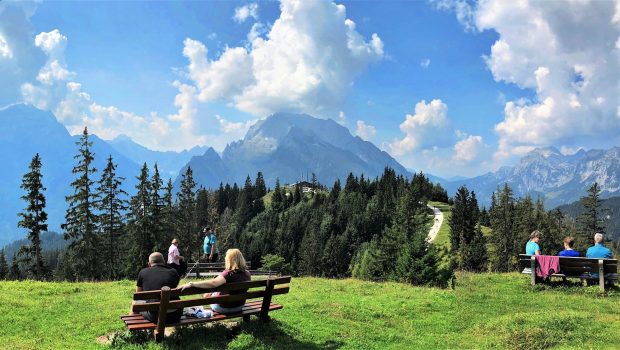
(578, 287)
(237, 335)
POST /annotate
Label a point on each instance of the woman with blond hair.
(236, 271)
(532, 247)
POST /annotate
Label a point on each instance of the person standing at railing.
(210, 248)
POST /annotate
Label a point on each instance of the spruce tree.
(14, 271)
(169, 213)
(4, 267)
(33, 219)
(506, 245)
(155, 212)
(112, 205)
(590, 221)
(277, 198)
(80, 219)
(187, 227)
(139, 225)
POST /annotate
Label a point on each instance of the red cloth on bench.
(547, 265)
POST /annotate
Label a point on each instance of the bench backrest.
(576, 266)
(253, 290)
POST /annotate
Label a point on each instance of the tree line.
(511, 221)
(369, 228)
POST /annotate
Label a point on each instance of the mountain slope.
(547, 173)
(25, 131)
(610, 209)
(291, 147)
(168, 162)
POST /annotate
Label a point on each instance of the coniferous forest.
(374, 229)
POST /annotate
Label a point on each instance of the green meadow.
(486, 311)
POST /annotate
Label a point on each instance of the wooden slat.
(216, 317)
(177, 304)
(154, 294)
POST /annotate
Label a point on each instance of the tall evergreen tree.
(80, 219)
(139, 225)
(4, 267)
(112, 205)
(504, 239)
(33, 219)
(168, 213)
(155, 212)
(14, 271)
(590, 221)
(187, 227)
(277, 198)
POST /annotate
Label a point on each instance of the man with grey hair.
(154, 277)
(599, 250)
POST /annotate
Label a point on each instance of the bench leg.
(601, 275)
(246, 318)
(265, 319)
(159, 336)
(533, 268)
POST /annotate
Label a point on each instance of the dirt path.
(432, 233)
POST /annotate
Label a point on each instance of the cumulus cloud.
(425, 63)
(20, 59)
(244, 12)
(365, 131)
(297, 67)
(468, 149)
(428, 126)
(571, 61)
(342, 118)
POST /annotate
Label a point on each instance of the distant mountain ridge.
(291, 147)
(551, 175)
(168, 162)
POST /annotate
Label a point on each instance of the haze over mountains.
(285, 146)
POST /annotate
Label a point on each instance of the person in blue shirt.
(598, 250)
(532, 247)
(568, 247)
(210, 248)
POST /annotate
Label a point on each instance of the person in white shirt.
(175, 260)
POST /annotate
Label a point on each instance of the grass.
(443, 236)
(484, 311)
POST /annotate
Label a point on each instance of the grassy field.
(483, 311)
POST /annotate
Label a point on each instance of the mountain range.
(288, 147)
(291, 147)
(548, 174)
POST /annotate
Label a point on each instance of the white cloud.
(365, 131)
(342, 118)
(5, 50)
(297, 67)
(468, 149)
(425, 63)
(463, 9)
(428, 127)
(244, 12)
(571, 61)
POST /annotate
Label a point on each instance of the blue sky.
(448, 87)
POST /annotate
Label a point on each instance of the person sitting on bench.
(568, 247)
(532, 247)
(598, 250)
(236, 271)
(154, 277)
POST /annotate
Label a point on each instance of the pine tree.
(168, 213)
(80, 219)
(335, 192)
(260, 190)
(202, 207)
(112, 205)
(156, 205)
(277, 198)
(244, 204)
(33, 219)
(590, 221)
(4, 267)
(187, 227)
(139, 225)
(14, 271)
(506, 245)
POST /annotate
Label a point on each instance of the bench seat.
(138, 322)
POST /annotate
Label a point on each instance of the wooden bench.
(205, 269)
(258, 296)
(575, 267)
